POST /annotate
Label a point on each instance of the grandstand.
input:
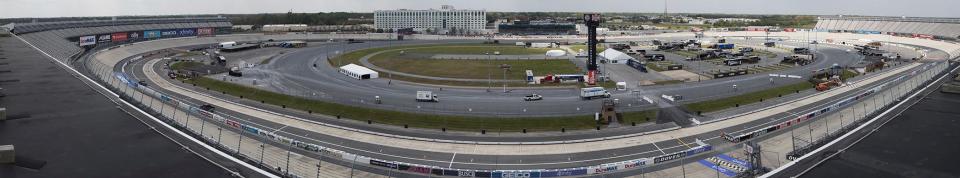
(61, 39)
(923, 27)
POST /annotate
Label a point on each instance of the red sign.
(591, 80)
(205, 32)
(119, 37)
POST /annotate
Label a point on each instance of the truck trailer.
(593, 92)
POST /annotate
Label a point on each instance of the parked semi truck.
(593, 92)
(427, 96)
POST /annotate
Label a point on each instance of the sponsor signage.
(562, 173)
(151, 34)
(116, 37)
(134, 35)
(205, 32)
(383, 164)
(103, 38)
(186, 32)
(168, 33)
(88, 40)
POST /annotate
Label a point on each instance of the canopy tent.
(614, 57)
(358, 72)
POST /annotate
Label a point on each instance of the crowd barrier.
(823, 111)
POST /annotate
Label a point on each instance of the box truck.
(427, 96)
(593, 92)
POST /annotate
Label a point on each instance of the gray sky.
(60, 8)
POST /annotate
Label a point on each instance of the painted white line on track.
(658, 147)
(451, 159)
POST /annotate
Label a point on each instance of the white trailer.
(541, 45)
(228, 44)
(593, 92)
(427, 96)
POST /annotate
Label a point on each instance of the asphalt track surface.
(500, 162)
(294, 74)
(57, 119)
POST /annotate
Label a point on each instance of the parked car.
(532, 97)
(207, 107)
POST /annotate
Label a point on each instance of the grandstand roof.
(22, 28)
(890, 18)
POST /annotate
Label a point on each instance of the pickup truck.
(532, 97)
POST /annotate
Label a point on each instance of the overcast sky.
(61, 8)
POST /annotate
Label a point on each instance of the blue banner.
(151, 34)
(168, 33)
(187, 32)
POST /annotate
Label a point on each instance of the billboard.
(117, 37)
(151, 34)
(88, 40)
(205, 32)
(103, 38)
(168, 33)
(134, 35)
(186, 32)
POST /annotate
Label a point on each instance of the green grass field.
(184, 65)
(416, 120)
(471, 69)
(747, 98)
(480, 49)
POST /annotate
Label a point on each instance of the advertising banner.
(134, 35)
(151, 34)
(186, 32)
(383, 164)
(168, 33)
(515, 174)
(205, 32)
(116, 37)
(563, 173)
(88, 40)
(103, 38)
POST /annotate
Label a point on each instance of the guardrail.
(823, 111)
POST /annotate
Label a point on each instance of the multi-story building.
(447, 19)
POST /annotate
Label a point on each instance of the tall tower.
(592, 21)
(665, 15)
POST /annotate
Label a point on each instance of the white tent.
(358, 72)
(556, 53)
(614, 57)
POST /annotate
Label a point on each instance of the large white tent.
(358, 72)
(614, 57)
(556, 53)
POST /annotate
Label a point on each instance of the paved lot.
(59, 120)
